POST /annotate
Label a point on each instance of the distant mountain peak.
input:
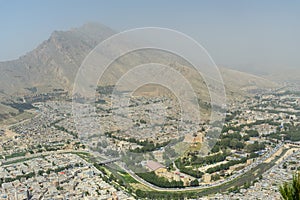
(94, 26)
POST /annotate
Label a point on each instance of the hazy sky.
(236, 33)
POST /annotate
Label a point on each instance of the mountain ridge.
(54, 63)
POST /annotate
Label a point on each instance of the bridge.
(108, 161)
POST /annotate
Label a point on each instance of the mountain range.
(54, 64)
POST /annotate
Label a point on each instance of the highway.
(206, 186)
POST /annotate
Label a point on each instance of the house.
(158, 168)
(207, 178)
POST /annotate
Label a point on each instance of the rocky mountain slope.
(54, 64)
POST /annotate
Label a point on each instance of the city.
(124, 100)
(44, 155)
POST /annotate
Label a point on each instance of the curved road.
(207, 186)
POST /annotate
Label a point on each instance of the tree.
(246, 137)
(215, 149)
(252, 133)
(152, 178)
(195, 182)
(291, 191)
(255, 147)
(215, 177)
(236, 144)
